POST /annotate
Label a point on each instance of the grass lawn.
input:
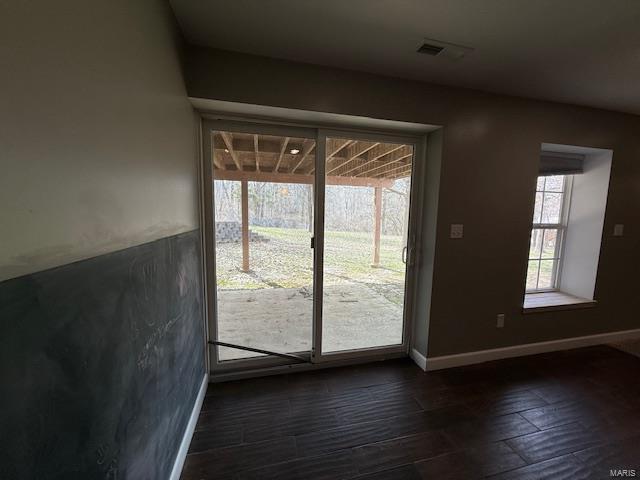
(286, 260)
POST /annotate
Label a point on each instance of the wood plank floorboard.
(573, 414)
(325, 467)
(405, 472)
(473, 463)
(561, 468)
(624, 455)
(554, 442)
(488, 429)
(398, 451)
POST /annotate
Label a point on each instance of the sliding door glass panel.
(365, 238)
(263, 198)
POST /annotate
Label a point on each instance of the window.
(548, 232)
(568, 222)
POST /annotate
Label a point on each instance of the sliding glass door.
(262, 212)
(307, 236)
(367, 192)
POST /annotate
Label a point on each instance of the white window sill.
(550, 301)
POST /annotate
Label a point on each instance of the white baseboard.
(418, 358)
(188, 433)
(458, 360)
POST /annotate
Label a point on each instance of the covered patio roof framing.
(248, 157)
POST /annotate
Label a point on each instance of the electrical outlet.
(618, 230)
(457, 230)
(500, 321)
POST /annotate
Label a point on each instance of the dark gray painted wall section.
(101, 362)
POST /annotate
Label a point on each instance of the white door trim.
(211, 123)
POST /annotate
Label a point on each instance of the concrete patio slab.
(280, 319)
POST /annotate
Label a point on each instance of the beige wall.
(490, 154)
(97, 137)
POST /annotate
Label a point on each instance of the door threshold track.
(289, 356)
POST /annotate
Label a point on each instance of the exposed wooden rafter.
(347, 159)
(339, 148)
(308, 145)
(218, 161)
(367, 173)
(300, 178)
(255, 149)
(228, 141)
(334, 152)
(285, 142)
(401, 174)
(355, 150)
(375, 157)
(392, 170)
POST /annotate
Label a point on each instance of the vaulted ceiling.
(585, 52)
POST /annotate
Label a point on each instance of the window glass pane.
(545, 280)
(555, 183)
(549, 243)
(537, 211)
(552, 207)
(365, 234)
(536, 243)
(532, 275)
(545, 243)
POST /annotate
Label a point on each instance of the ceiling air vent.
(429, 49)
(438, 48)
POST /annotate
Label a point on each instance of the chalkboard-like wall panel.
(100, 363)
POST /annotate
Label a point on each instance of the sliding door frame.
(209, 127)
(418, 144)
(243, 368)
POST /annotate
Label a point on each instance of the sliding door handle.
(405, 251)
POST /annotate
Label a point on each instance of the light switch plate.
(618, 230)
(500, 321)
(457, 230)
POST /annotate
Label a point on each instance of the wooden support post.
(377, 198)
(244, 187)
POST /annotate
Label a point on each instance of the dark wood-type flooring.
(565, 415)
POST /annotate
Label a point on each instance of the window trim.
(561, 227)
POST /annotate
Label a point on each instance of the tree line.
(282, 205)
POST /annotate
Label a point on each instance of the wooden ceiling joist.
(331, 155)
(406, 173)
(355, 162)
(368, 172)
(272, 177)
(394, 171)
(355, 150)
(342, 145)
(306, 150)
(385, 151)
(218, 160)
(228, 141)
(255, 149)
(285, 142)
